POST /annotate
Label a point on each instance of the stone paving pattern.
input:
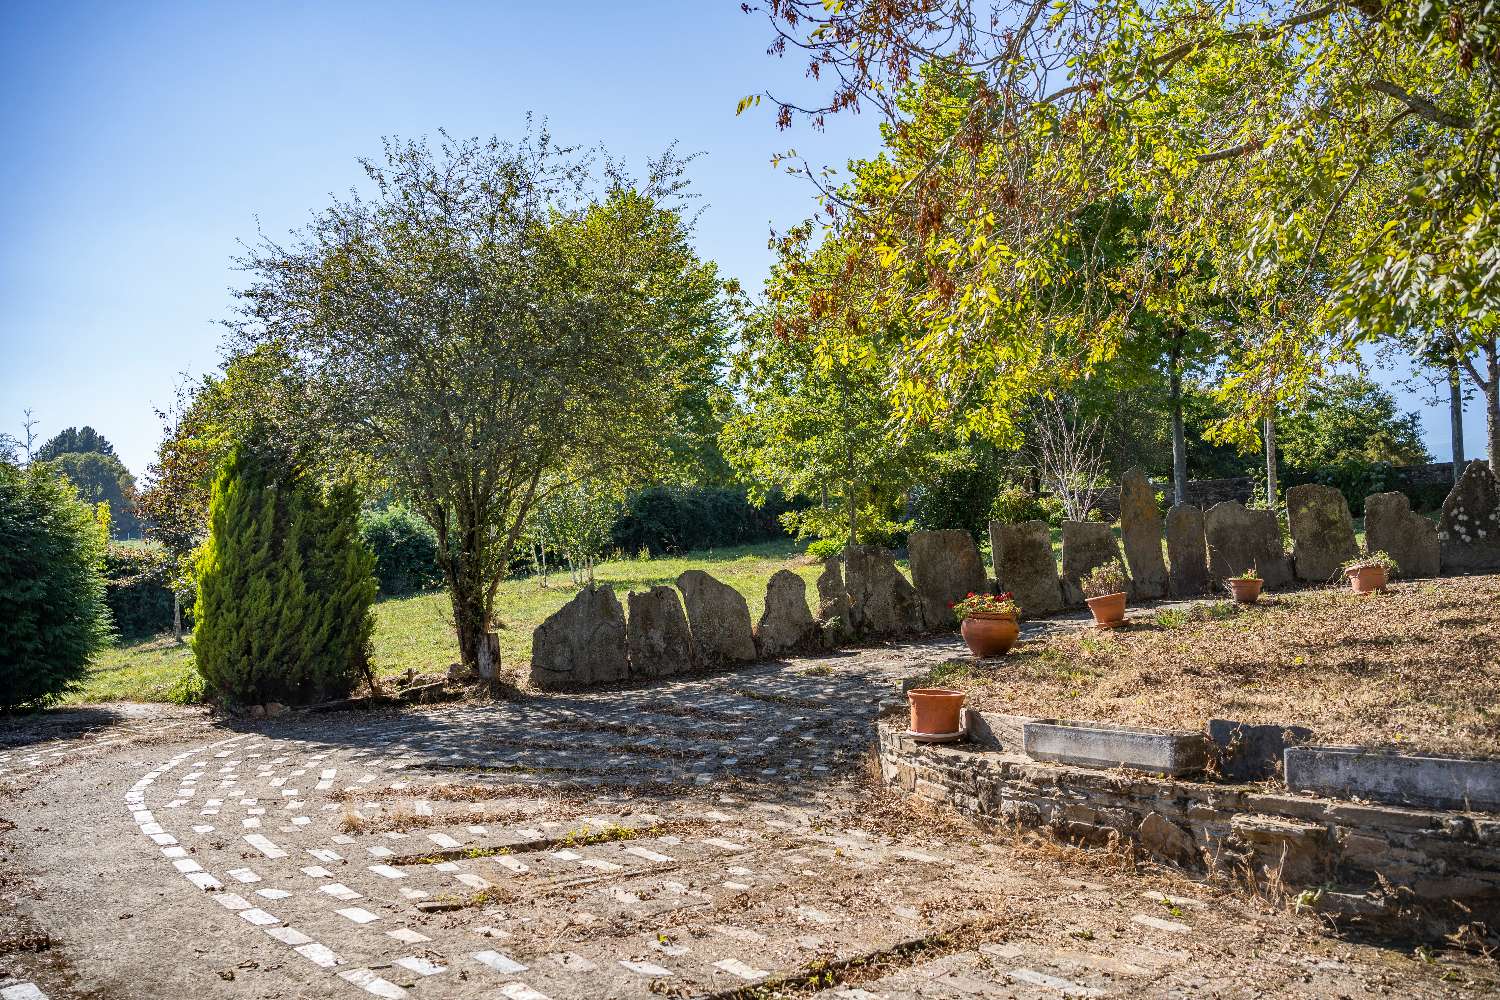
(691, 838)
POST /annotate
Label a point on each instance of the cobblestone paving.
(700, 838)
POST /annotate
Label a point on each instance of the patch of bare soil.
(1417, 667)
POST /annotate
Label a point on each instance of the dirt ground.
(1417, 667)
(711, 837)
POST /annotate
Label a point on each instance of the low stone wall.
(1438, 861)
(862, 596)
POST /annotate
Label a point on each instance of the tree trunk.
(1271, 483)
(177, 616)
(1456, 419)
(1179, 438)
(1492, 403)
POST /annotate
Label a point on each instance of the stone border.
(1437, 858)
(1100, 744)
(1433, 781)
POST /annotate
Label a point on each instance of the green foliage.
(102, 478)
(1349, 420)
(959, 497)
(73, 441)
(188, 689)
(666, 520)
(818, 423)
(405, 549)
(284, 586)
(138, 587)
(1015, 504)
(53, 616)
(825, 548)
(1105, 579)
(574, 522)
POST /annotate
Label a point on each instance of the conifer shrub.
(53, 617)
(284, 585)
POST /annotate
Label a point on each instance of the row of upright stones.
(863, 596)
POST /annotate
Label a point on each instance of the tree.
(575, 523)
(53, 617)
(1070, 455)
(496, 320)
(1350, 421)
(284, 584)
(1336, 159)
(75, 441)
(819, 425)
(100, 477)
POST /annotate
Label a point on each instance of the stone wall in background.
(1421, 480)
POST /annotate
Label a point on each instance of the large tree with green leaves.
(100, 477)
(493, 321)
(1335, 164)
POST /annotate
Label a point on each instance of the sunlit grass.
(416, 632)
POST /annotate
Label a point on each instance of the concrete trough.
(1170, 753)
(1464, 783)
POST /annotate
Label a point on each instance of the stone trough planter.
(1399, 779)
(1096, 744)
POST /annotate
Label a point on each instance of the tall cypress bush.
(53, 617)
(284, 585)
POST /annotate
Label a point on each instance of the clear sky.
(143, 140)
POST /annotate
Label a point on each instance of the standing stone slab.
(719, 618)
(1392, 527)
(1085, 546)
(882, 604)
(1469, 529)
(786, 625)
(660, 641)
(1140, 530)
(1187, 551)
(945, 567)
(582, 643)
(1241, 539)
(833, 603)
(1322, 531)
(1024, 566)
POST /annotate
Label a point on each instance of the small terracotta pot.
(1246, 591)
(934, 711)
(1109, 610)
(989, 635)
(1366, 579)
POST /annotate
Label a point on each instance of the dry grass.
(1417, 668)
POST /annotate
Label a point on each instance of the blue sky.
(143, 140)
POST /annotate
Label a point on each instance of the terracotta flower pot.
(1246, 591)
(1366, 579)
(989, 635)
(934, 711)
(1109, 610)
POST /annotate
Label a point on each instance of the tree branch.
(1422, 106)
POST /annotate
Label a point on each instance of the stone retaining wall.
(1443, 861)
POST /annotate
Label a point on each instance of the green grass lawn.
(417, 633)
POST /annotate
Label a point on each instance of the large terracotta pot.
(1109, 610)
(934, 711)
(989, 635)
(1366, 579)
(1246, 591)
